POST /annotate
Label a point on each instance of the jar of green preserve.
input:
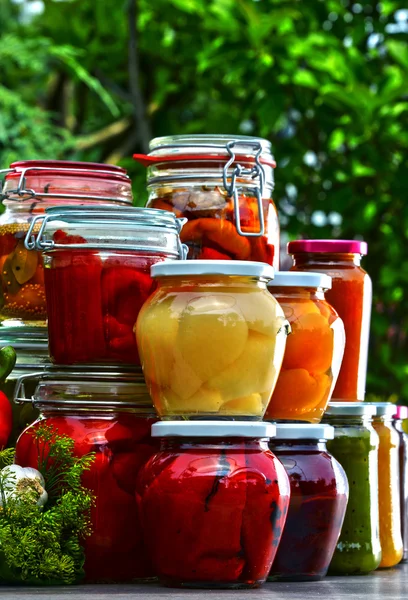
(355, 446)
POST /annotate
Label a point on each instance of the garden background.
(325, 81)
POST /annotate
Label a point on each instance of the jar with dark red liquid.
(97, 277)
(213, 503)
(401, 413)
(110, 415)
(319, 494)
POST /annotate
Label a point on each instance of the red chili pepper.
(6, 419)
(211, 254)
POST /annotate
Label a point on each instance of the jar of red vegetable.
(350, 296)
(110, 415)
(97, 277)
(29, 188)
(318, 501)
(213, 503)
(222, 184)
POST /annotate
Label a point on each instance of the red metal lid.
(76, 169)
(401, 412)
(328, 246)
(147, 159)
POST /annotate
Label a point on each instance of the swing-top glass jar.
(222, 184)
(110, 414)
(29, 188)
(97, 276)
(400, 415)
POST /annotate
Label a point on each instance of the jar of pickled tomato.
(29, 188)
(400, 414)
(213, 503)
(222, 184)
(110, 415)
(211, 339)
(350, 296)
(314, 349)
(97, 277)
(389, 485)
(355, 446)
(318, 501)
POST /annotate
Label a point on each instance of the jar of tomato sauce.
(314, 349)
(350, 296)
(110, 415)
(213, 503)
(400, 414)
(211, 339)
(389, 484)
(29, 188)
(222, 185)
(318, 501)
(97, 276)
(355, 446)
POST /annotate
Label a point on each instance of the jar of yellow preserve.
(388, 485)
(211, 339)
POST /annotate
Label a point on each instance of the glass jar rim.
(350, 409)
(383, 409)
(301, 279)
(196, 268)
(214, 429)
(328, 247)
(303, 431)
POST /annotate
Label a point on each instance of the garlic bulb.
(17, 482)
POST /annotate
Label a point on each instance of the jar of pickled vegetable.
(355, 446)
(222, 185)
(213, 503)
(29, 188)
(400, 414)
(110, 415)
(389, 485)
(211, 339)
(314, 349)
(97, 277)
(318, 501)
(350, 296)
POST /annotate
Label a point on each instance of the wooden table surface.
(387, 584)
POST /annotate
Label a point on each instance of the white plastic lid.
(351, 409)
(216, 429)
(383, 409)
(238, 268)
(303, 431)
(301, 279)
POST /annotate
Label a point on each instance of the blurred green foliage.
(325, 81)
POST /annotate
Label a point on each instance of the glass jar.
(355, 446)
(213, 503)
(211, 339)
(350, 296)
(222, 184)
(110, 415)
(389, 485)
(400, 414)
(318, 501)
(97, 277)
(29, 188)
(314, 349)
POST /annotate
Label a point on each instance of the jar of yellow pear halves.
(211, 339)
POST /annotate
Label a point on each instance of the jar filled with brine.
(350, 296)
(29, 188)
(223, 185)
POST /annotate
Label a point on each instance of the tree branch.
(93, 139)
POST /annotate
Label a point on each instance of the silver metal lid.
(350, 409)
(303, 431)
(301, 279)
(174, 268)
(216, 429)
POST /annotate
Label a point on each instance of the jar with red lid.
(400, 415)
(350, 296)
(97, 276)
(222, 184)
(318, 501)
(314, 349)
(111, 415)
(29, 188)
(213, 503)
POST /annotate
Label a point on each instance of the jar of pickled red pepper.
(110, 415)
(213, 503)
(222, 184)
(389, 484)
(97, 276)
(29, 188)
(314, 350)
(211, 339)
(318, 501)
(400, 414)
(355, 446)
(350, 296)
